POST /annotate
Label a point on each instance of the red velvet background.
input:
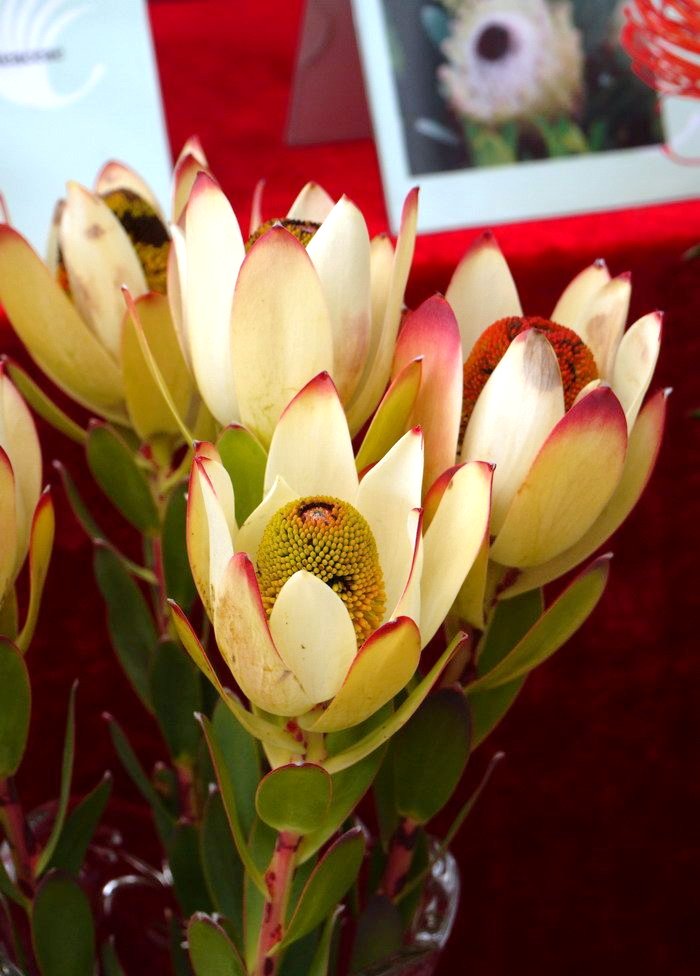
(583, 855)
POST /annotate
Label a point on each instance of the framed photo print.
(507, 110)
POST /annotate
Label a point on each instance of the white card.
(78, 87)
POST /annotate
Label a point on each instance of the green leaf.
(229, 797)
(115, 470)
(164, 820)
(379, 933)
(80, 827)
(186, 866)
(178, 576)
(294, 798)
(42, 405)
(262, 844)
(93, 530)
(330, 881)
(242, 757)
(179, 960)
(378, 736)
(244, 459)
(129, 620)
(348, 786)
(556, 625)
(392, 416)
(385, 801)
(63, 932)
(211, 951)
(9, 614)
(223, 869)
(15, 707)
(40, 549)
(429, 755)
(320, 964)
(66, 779)
(176, 695)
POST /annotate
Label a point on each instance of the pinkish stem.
(19, 836)
(401, 851)
(278, 879)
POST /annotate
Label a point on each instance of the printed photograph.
(484, 83)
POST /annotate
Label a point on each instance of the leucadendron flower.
(322, 600)
(306, 293)
(555, 403)
(70, 312)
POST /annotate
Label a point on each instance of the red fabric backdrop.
(583, 855)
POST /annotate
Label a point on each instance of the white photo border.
(478, 196)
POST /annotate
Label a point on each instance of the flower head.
(511, 59)
(323, 598)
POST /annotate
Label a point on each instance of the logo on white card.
(30, 46)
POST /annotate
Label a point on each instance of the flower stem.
(400, 859)
(278, 878)
(18, 833)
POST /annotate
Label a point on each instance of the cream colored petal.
(642, 452)
(8, 525)
(384, 665)
(209, 541)
(215, 251)
(250, 533)
(281, 330)
(193, 147)
(588, 388)
(177, 279)
(340, 252)
(387, 495)
(99, 259)
(516, 411)
(635, 363)
(244, 639)
(186, 171)
(117, 176)
(313, 634)
(603, 323)
(482, 290)
(19, 439)
(409, 601)
(431, 332)
(569, 483)
(57, 338)
(312, 204)
(579, 293)
(223, 489)
(311, 447)
(381, 349)
(453, 541)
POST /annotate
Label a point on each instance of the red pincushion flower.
(663, 39)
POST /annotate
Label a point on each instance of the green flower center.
(303, 230)
(329, 538)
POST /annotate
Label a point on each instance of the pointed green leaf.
(178, 576)
(228, 795)
(66, 780)
(179, 960)
(429, 755)
(244, 459)
(262, 844)
(294, 798)
(80, 827)
(115, 470)
(186, 866)
(242, 757)
(63, 932)
(393, 415)
(562, 619)
(211, 951)
(42, 404)
(40, 549)
(379, 933)
(330, 881)
(129, 620)
(176, 696)
(320, 964)
(223, 868)
(15, 707)
(164, 820)
(377, 737)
